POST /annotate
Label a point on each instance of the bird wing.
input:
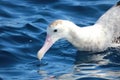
(110, 21)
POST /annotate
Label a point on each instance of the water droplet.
(30, 41)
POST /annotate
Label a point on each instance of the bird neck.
(74, 35)
(87, 38)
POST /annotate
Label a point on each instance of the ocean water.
(23, 26)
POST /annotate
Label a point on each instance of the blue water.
(22, 34)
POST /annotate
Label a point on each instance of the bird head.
(57, 30)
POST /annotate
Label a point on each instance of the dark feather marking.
(118, 3)
(117, 40)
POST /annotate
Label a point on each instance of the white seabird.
(98, 37)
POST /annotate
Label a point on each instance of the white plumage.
(98, 37)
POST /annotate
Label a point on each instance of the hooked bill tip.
(39, 55)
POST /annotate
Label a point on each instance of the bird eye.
(55, 30)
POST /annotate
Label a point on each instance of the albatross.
(96, 38)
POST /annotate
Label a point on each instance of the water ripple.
(23, 26)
